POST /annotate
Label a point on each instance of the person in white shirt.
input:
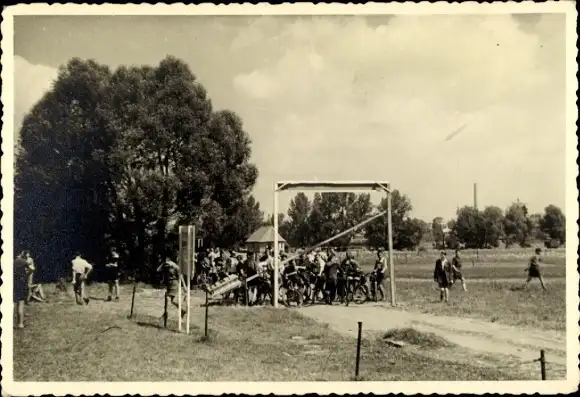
(212, 255)
(80, 269)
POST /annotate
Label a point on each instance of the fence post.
(246, 293)
(133, 298)
(165, 311)
(358, 342)
(543, 364)
(206, 311)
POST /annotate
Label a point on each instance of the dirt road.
(479, 336)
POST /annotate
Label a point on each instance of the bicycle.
(373, 286)
(291, 288)
(356, 289)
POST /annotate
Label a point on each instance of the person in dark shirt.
(113, 274)
(533, 269)
(22, 268)
(457, 273)
(443, 276)
(172, 278)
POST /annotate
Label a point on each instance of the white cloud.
(30, 83)
(361, 102)
(350, 98)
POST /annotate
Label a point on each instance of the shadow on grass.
(94, 298)
(157, 323)
(157, 326)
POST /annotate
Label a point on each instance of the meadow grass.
(488, 271)
(502, 302)
(66, 342)
(483, 256)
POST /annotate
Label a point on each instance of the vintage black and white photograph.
(289, 194)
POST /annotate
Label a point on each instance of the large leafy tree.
(299, 228)
(117, 158)
(553, 223)
(376, 232)
(333, 213)
(60, 198)
(437, 227)
(469, 227)
(493, 229)
(517, 225)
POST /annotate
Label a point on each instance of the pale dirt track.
(475, 335)
(514, 343)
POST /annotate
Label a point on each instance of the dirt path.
(476, 335)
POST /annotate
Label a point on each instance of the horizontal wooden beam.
(333, 186)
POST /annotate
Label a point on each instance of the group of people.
(81, 269)
(447, 273)
(316, 275)
(26, 290)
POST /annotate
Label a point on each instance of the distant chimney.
(475, 195)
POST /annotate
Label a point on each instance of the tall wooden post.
(276, 253)
(391, 262)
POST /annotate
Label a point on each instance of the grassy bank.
(66, 342)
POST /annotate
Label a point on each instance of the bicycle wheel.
(360, 294)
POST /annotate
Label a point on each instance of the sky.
(432, 104)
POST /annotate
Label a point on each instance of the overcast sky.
(430, 103)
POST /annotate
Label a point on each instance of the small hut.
(264, 238)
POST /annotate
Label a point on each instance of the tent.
(264, 238)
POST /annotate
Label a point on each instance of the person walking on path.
(533, 270)
(443, 277)
(81, 270)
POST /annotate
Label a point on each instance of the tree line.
(310, 222)
(120, 158)
(492, 227)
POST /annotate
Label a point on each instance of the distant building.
(264, 238)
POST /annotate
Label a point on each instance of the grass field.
(66, 342)
(500, 267)
(488, 256)
(502, 302)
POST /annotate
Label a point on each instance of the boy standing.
(380, 269)
(171, 278)
(112, 274)
(81, 270)
(442, 277)
(456, 267)
(22, 268)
